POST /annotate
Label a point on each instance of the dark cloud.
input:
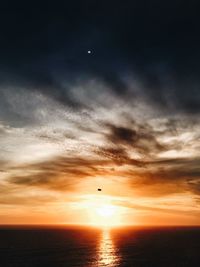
(62, 173)
(159, 177)
(119, 156)
(4, 165)
(140, 138)
(165, 177)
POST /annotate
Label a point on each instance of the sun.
(104, 215)
(106, 211)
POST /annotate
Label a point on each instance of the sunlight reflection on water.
(107, 252)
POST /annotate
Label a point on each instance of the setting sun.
(101, 212)
(105, 211)
(105, 215)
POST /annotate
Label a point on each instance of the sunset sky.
(123, 117)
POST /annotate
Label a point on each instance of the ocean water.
(92, 247)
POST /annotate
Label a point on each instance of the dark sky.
(158, 41)
(128, 111)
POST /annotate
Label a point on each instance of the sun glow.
(106, 211)
(102, 213)
(105, 215)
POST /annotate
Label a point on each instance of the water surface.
(92, 247)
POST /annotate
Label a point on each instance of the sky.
(123, 117)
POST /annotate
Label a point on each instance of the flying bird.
(99, 189)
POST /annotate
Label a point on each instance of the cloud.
(61, 173)
(166, 177)
(155, 178)
(118, 156)
(168, 209)
(67, 152)
(27, 200)
(141, 138)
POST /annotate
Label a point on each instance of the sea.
(75, 246)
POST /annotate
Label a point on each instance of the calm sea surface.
(81, 246)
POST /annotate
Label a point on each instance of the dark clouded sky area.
(124, 116)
